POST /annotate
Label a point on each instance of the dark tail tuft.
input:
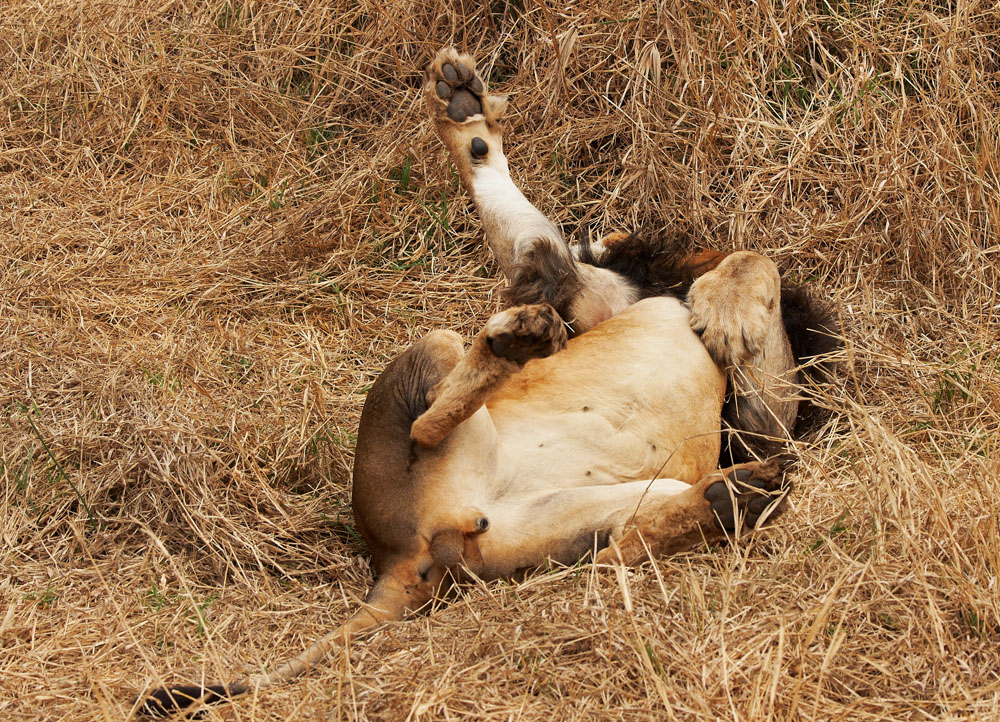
(167, 700)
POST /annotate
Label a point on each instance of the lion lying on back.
(585, 419)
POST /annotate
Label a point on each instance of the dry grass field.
(219, 221)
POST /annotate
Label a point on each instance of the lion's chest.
(638, 397)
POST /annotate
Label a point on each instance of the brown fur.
(543, 275)
(529, 447)
(508, 341)
(736, 309)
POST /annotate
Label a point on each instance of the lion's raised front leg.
(529, 247)
(724, 503)
(467, 119)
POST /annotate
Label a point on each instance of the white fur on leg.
(512, 223)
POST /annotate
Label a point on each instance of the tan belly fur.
(636, 398)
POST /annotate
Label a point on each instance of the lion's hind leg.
(740, 498)
(631, 521)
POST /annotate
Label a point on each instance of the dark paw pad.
(531, 332)
(479, 148)
(746, 495)
(458, 85)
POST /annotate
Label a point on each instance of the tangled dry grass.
(220, 220)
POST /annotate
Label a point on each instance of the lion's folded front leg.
(736, 309)
(509, 340)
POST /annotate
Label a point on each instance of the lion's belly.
(636, 398)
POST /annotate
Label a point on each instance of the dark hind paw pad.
(526, 332)
(456, 83)
(747, 495)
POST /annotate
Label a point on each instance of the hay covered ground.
(220, 220)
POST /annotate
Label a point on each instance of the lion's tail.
(386, 602)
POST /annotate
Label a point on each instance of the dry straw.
(220, 220)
